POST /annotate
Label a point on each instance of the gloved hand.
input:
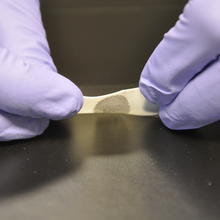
(31, 90)
(183, 73)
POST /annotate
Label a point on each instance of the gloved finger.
(13, 127)
(30, 91)
(185, 50)
(22, 31)
(198, 104)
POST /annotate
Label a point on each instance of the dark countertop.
(101, 167)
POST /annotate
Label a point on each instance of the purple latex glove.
(31, 91)
(177, 76)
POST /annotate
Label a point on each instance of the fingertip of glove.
(170, 121)
(40, 127)
(155, 93)
(147, 92)
(70, 103)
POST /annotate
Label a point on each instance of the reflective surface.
(112, 167)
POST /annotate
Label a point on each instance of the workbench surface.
(104, 167)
